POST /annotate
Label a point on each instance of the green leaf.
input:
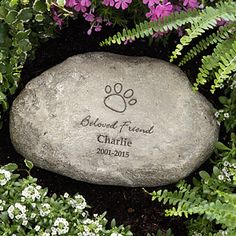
(2, 96)
(29, 164)
(233, 96)
(39, 6)
(13, 3)
(3, 32)
(204, 175)
(25, 45)
(11, 17)
(223, 100)
(3, 12)
(39, 17)
(4, 216)
(113, 223)
(61, 3)
(25, 14)
(10, 167)
(220, 146)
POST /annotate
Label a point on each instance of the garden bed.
(129, 206)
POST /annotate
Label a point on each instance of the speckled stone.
(114, 120)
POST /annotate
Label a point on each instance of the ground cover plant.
(210, 198)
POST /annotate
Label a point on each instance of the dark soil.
(129, 206)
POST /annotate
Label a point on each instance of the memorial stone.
(114, 120)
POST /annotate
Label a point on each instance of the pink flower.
(98, 28)
(160, 11)
(85, 3)
(99, 19)
(151, 2)
(70, 3)
(79, 8)
(163, 10)
(88, 17)
(152, 14)
(108, 3)
(56, 17)
(191, 3)
(122, 3)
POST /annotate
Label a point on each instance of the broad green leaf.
(11, 17)
(29, 164)
(204, 175)
(25, 14)
(39, 6)
(10, 167)
(61, 3)
(220, 146)
(39, 17)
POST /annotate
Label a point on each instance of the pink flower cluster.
(78, 5)
(123, 4)
(161, 8)
(157, 9)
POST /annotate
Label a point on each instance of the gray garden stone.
(115, 120)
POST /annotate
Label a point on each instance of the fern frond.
(227, 67)
(174, 21)
(185, 200)
(222, 34)
(211, 62)
(207, 20)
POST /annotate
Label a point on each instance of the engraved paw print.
(117, 100)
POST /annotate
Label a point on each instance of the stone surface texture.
(167, 131)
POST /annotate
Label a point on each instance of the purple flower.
(151, 2)
(71, 3)
(85, 3)
(98, 28)
(99, 19)
(151, 14)
(79, 8)
(89, 17)
(89, 32)
(122, 3)
(191, 3)
(56, 17)
(108, 3)
(163, 10)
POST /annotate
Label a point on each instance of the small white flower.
(10, 212)
(46, 234)
(217, 114)
(220, 177)
(66, 195)
(31, 192)
(84, 214)
(37, 228)
(25, 222)
(221, 86)
(78, 203)
(60, 226)
(5, 176)
(116, 234)
(17, 211)
(233, 85)
(22, 199)
(226, 163)
(45, 209)
(221, 110)
(226, 115)
(38, 187)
